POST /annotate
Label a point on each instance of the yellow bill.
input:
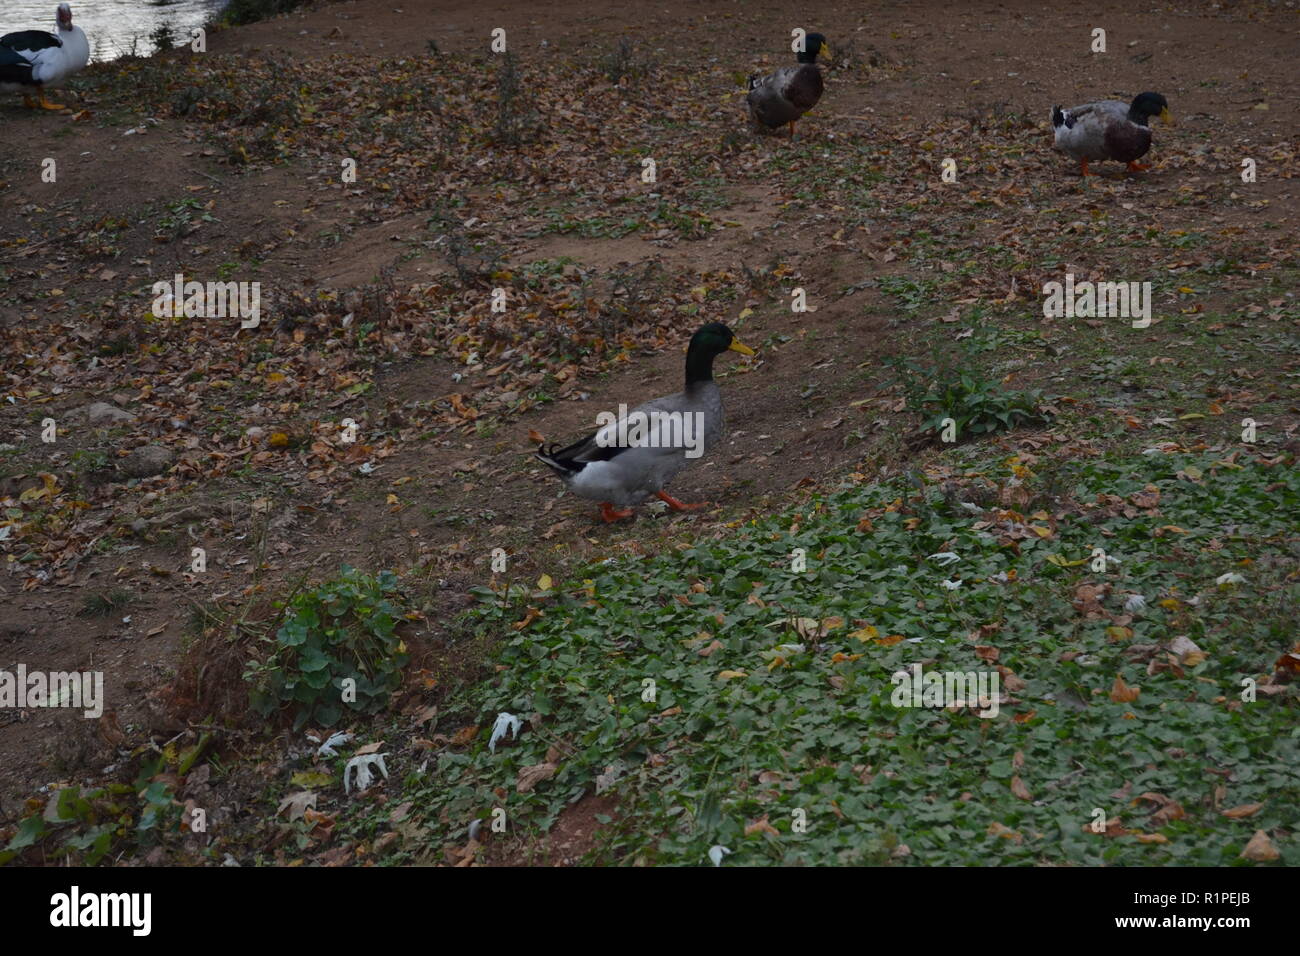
(1167, 117)
(737, 346)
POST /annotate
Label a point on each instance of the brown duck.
(791, 91)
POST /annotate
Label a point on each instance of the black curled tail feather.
(551, 457)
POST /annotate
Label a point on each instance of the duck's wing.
(603, 444)
(785, 95)
(1080, 131)
(15, 68)
(640, 441)
(44, 51)
(29, 43)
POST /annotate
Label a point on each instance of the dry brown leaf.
(1260, 849)
(997, 829)
(464, 737)
(529, 777)
(1122, 693)
(1167, 809)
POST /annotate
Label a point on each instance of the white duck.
(33, 59)
(625, 462)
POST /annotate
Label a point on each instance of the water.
(112, 26)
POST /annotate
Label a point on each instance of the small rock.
(147, 461)
(102, 413)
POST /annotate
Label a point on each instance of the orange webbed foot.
(1083, 168)
(609, 514)
(1135, 167)
(680, 505)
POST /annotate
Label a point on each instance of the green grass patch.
(789, 719)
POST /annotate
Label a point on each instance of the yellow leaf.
(1116, 633)
(279, 440)
(1060, 562)
(808, 627)
(867, 633)
(544, 583)
(728, 675)
(391, 499)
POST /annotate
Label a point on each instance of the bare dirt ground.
(447, 490)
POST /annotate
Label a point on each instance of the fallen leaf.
(1260, 848)
(997, 829)
(1121, 693)
(530, 777)
(297, 804)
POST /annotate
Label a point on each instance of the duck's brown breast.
(1127, 141)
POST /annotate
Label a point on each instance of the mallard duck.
(634, 454)
(790, 92)
(1109, 129)
(33, 59)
